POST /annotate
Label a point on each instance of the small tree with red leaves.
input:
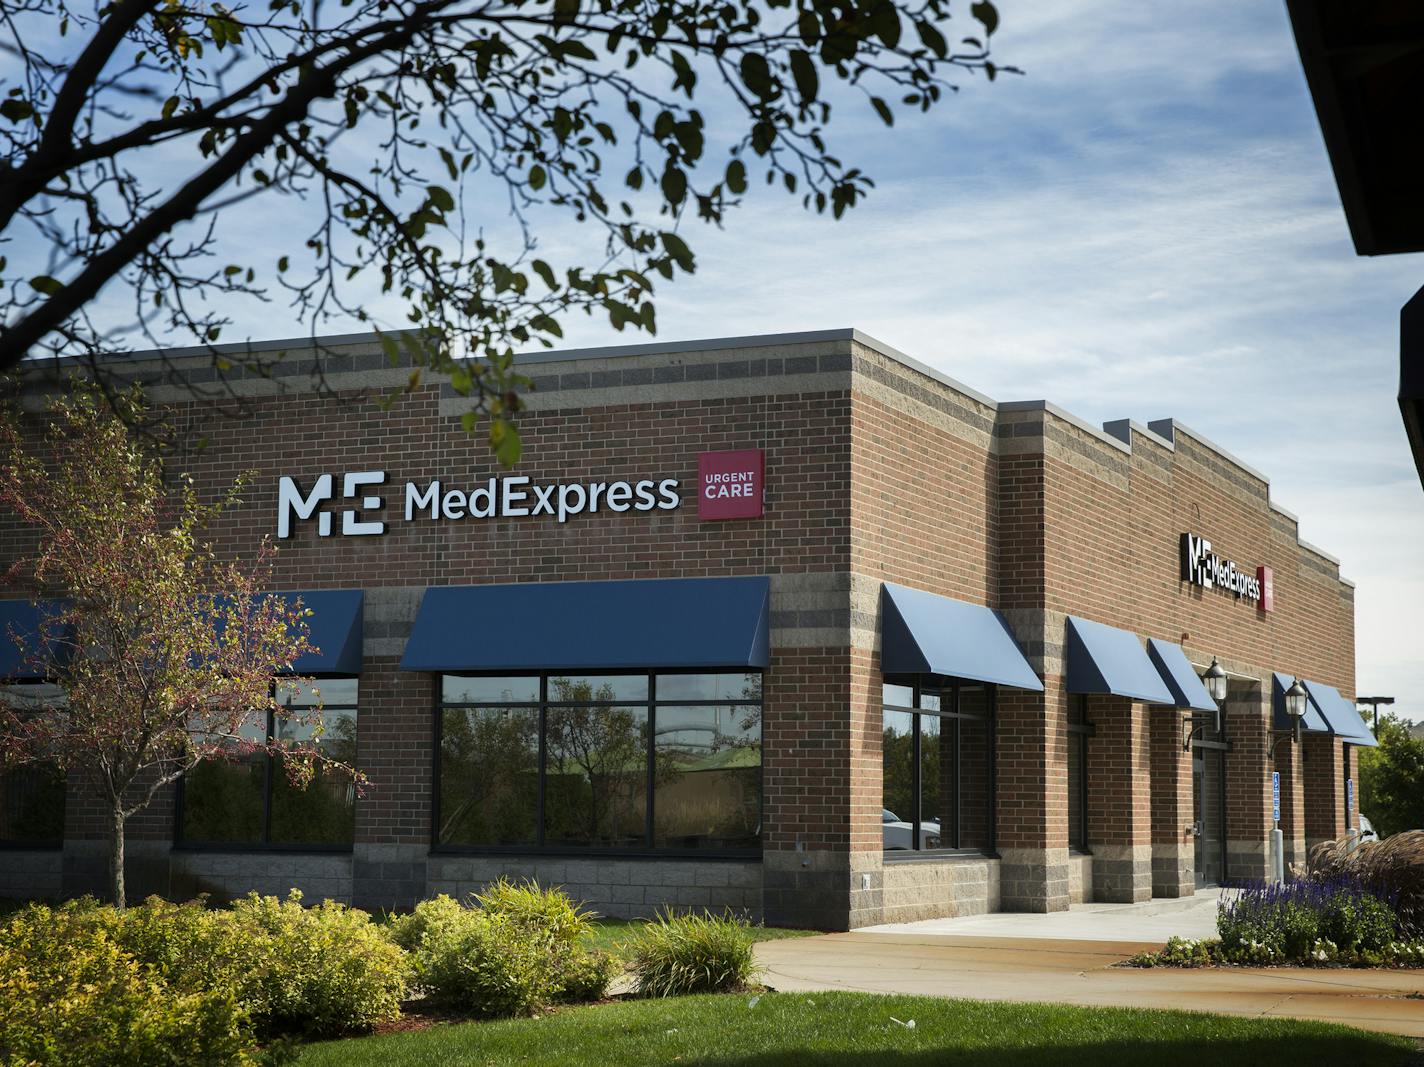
(165, 653)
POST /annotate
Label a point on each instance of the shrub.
(441, 912)
(586, 976)
(69, 994)
(545, 913)
(485, 963)
(1392, 870)
(1356, 920)
(317, 971)
(679, 954)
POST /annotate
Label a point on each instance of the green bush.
(680, 954)
(1358, 922)
(586, 975)
(316, 971)
(545, 913)
(517, 950)
(484, 963)
(438, 913)
(70, 995)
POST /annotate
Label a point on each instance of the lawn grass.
(616, 935)
(859, 1030)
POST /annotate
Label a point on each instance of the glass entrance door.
(1209, 814)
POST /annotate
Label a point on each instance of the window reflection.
(32, 796)
(707, 777)
(489, 776)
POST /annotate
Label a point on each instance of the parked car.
(899, 834)
(1367, 830)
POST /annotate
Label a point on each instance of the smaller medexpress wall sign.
(1203, 567)
(730, 485)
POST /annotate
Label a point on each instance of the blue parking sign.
(1276, 795)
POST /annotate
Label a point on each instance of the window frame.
(182, 844)
(650, 703)
(917, 683)
(1078, 734)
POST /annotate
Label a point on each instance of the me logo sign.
(731, 485)
(1203, 567)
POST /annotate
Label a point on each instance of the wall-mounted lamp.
(1214, 679)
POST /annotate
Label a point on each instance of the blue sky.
(1144, 225)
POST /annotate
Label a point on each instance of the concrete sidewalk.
(1150, 921)
(1069, 970)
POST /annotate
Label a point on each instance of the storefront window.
(938, 765)
(1079, 730)
(32, 796)
(248, 800)
(622, 762)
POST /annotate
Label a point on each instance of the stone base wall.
(618, 888)
(225, 876)
(1034, 879)
(1080, 878)
(31, 874)
(1122, 874)
(1173, 870)
(938, 889)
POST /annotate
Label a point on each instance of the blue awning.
(1179, 674)
(921, 633)
(1313, 722)
(1341, 714)
(654, 622)
(335, 630)
(24, 620)
(1104, 659)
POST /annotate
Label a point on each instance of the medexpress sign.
(1203, 567)
(514, 496)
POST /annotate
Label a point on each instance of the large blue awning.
(24, 620)
(1313, 723)
(335, 630)
(921, 633)
(1104, 659)
(653, 622)
(1341, 714)
(1179, 674)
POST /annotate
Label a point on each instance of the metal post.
(1278, 855)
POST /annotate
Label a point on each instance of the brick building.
(791, 623)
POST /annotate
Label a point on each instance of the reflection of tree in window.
(595, 781)
(32, 795)
(707, 774)
(489, 776)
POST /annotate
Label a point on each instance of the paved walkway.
(1067, 969)
(1152, 921)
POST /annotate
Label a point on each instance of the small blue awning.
(24, 619)
(1179, 674)
(1104, 659)
(921, 633)
(644, 623)
(334, 630)
(1341, 714)
(1313, 722)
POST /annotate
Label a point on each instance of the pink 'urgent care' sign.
(1267, 578)
(730, 484)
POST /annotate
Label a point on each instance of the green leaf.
(546, 272)
(986, 13)
(546, 324)
(677, 248)
(737, 176)
(169, 106)
(883, 110)
(756, 75)
(537, 177)
(440, 198)
(674, 184)
(886, 22)
(803, 69)
(43, 283)
(933, 39)
(16, 110)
